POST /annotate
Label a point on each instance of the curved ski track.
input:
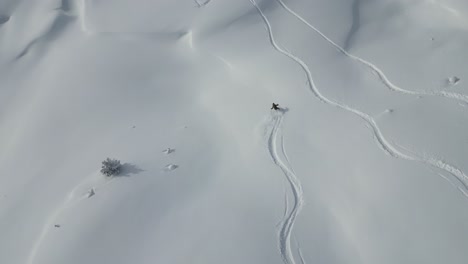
(375, 70)
(381, 140)
(287, 224)
(299, 251)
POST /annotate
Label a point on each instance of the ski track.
(283, 151)
(286, 209)
(301, 256)
(375, 70)
(456, 173)
(296, 188)
(287, 224)
(76, 195)
(299, 251)
(464, 192)
(381, 140)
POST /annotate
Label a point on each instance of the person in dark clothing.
(275, 106)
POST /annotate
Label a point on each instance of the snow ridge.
(287, 223)
(82, 16)
(381, 140)
(375, 70)
(77, 9)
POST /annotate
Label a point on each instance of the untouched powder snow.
(365, 162)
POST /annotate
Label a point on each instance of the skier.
(275, 106)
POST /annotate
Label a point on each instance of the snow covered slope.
(365, 163)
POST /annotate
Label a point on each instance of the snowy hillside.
(365, 162)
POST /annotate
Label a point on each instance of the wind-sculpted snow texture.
(365, 162)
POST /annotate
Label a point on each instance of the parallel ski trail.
(375, 70)
(287, 224)
(381, 140)
(283, 151)
(286, 209)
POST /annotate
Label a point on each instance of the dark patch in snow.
(57, 27)
(355, 24)
(91, 193)
(65, 5)
(4, 19)
(283, 110)
(128, 170)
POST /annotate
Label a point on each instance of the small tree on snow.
(111, 167)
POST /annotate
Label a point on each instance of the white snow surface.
(366, 162)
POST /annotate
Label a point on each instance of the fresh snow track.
(381, 140)
(286, 208)
(283, 150)
(299, 251)
(287, 224)
(375, 70)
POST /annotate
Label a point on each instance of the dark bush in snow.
(111, 167)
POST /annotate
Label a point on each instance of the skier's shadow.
(283, 110)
